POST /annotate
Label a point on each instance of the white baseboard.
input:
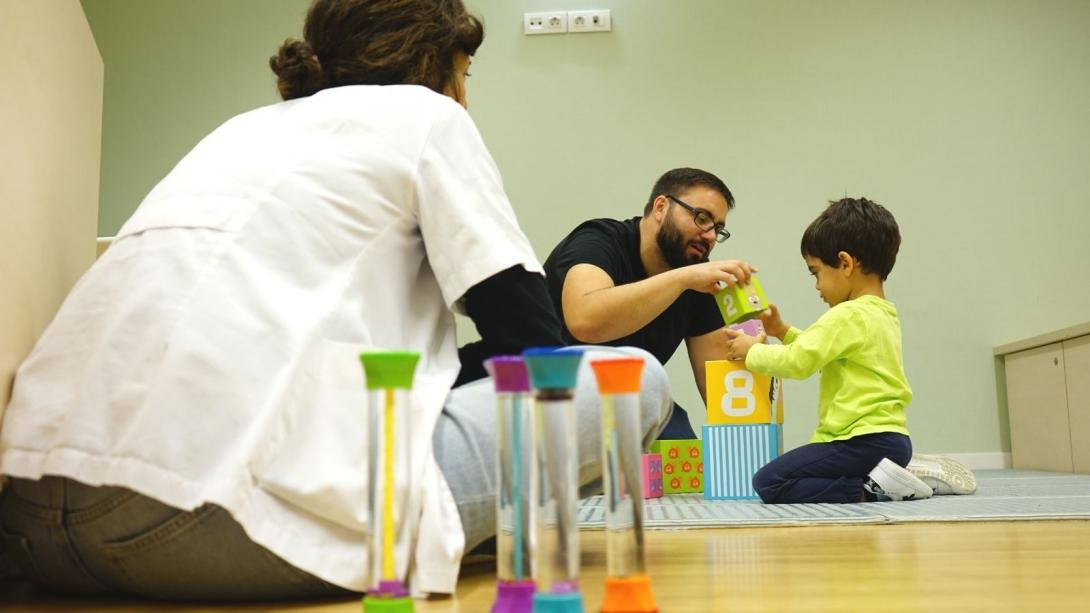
(979, 461)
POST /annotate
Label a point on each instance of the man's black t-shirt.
(614, 246)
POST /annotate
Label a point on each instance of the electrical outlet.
(553, 22)
(589, 21)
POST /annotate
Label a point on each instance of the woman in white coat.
(190, 426)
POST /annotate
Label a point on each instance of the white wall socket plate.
(551, 22)
(596, 20)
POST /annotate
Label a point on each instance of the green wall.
(970, 120)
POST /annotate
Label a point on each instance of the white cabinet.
(1037, 400)
(1077, 374)
(1048, 397)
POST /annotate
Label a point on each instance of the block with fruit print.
(682, 465)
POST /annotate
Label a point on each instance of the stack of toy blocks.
(744, 431)
(682, 465)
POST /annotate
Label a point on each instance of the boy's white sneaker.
(888, 481)
(944, 475)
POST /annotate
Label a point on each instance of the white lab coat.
(210, 355)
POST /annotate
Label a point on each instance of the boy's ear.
(846, 262)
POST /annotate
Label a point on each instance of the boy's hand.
(773, 323)
(738, 344)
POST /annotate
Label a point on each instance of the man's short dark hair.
(862, 228)
(679, 180)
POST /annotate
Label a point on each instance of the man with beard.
(647, 282)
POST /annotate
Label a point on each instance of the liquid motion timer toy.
(554, 485)
(628, 588)
(389, 378)
(514, 587)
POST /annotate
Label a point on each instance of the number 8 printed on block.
(738, 400)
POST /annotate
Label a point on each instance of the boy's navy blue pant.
(829, 472)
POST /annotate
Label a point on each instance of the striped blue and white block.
(733, 454)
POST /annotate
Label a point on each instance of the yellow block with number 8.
(738, 396)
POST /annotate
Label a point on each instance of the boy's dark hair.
(862, 228)
(678, 180)
(376, 42)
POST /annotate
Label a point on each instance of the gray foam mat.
(1001, 495)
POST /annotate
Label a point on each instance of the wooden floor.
(994, 566)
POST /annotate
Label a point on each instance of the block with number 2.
(741, 302)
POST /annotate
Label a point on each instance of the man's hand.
(739, 342)
(705, 277)
(773, 323)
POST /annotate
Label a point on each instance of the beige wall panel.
(51, 109)
(1037, 399)
(1077, 374)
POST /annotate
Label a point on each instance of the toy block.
(752, 327)
(741, 302)
(739, 396)
(734, 454)
(682, 465)
(652, 475)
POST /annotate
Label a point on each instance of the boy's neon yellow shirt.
(857, 347)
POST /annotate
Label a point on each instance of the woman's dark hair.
(859, 227)
(376, 42)
(680, 180)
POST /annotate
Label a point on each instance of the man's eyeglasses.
(704, 220)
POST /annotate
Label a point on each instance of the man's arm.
(598, 311)
(512, 311)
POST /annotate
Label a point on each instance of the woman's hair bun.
(298, 70)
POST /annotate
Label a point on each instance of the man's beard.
(674, 248)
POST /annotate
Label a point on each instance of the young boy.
(861, 444)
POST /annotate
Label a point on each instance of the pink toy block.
(652, 475)
(753, 327)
